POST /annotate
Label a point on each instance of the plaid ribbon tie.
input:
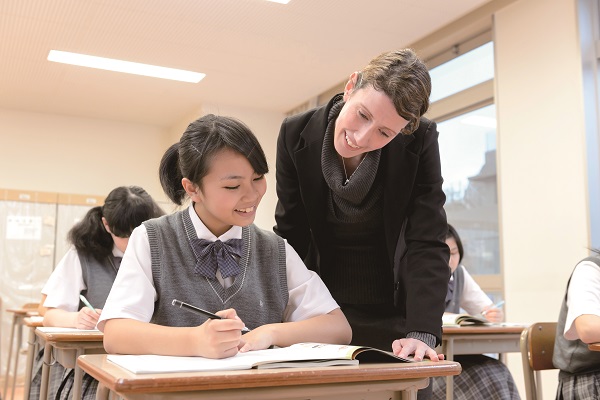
(211, 255)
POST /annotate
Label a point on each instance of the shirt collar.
(203, 233)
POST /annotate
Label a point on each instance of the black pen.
(195, 309)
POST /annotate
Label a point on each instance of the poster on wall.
(19, 227)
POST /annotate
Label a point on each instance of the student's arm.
(86, 318)
(475, 301)
(588, 328)
(328, 328)
(213, 339)
(41, 309)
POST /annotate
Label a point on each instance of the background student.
(482, 377)
(89, 267)
(212, 256)
(578, 326)
(360, 198)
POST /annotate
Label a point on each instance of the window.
(463, 106)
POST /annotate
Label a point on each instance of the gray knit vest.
(459, 282)
(98, 278)
(259, 293)
(573, 356)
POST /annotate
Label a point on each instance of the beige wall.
(541, 158)
(55, 153)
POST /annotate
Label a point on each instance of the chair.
(537, 348)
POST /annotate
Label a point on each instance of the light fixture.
(129, 67)
(280, 1)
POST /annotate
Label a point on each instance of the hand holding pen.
(494, 313)
(200, 311)
(218, 339)
(88, 316)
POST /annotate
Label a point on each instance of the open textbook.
(298, 355)
(450, 319)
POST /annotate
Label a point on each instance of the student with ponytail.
(89, 268)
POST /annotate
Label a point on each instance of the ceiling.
(255, 53)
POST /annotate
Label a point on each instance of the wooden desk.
(67, 345)
(372, 381)
(32, 348)
(594, 346)
(478, 340)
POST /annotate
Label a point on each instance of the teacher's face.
(368, 121)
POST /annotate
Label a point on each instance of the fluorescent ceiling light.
(129, 67)
(280, 1)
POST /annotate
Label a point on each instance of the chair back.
(537, 348)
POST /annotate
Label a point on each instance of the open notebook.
(298, 355)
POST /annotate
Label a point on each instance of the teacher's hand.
(406, 347)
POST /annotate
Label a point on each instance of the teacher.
(360, 199)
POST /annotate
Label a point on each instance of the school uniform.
(579, 376)
(75, 274)
(160, 263)
(482, 377)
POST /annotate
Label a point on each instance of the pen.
(195, 309)
(87, 303)
(497, 305)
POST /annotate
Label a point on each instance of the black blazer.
(413, 200)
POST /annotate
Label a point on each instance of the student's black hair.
(453, 234)
(191, 157)
(125, 208)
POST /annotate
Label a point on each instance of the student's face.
(368, 121)
(230, 193)
(454, 254)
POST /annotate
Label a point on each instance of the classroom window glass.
(462, 72)
(463, 106)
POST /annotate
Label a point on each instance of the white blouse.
(66, 282)
(473, 300)
(583, 296)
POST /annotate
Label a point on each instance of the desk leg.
(78, 377)
(31, 347)
(46, 371)
(102, 392)
(409, 394)
(15, 370)
(10, 348)
(449, 353)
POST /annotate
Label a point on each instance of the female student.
(211, 256)
(578, 326)
(89, 268)
(482, 377)
(360, 199)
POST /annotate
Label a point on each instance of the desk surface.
(70, 336)
(483, 329)
(594, 346)
(120, 380)
(33, 322)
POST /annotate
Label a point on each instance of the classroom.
(81, 131)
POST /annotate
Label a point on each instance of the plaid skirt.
(578, 387)
(60, 382)
(481, 378)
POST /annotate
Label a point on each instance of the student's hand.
(257, 339)
(406, 347)
(219, 338)
(493, 314)
(87, 318)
